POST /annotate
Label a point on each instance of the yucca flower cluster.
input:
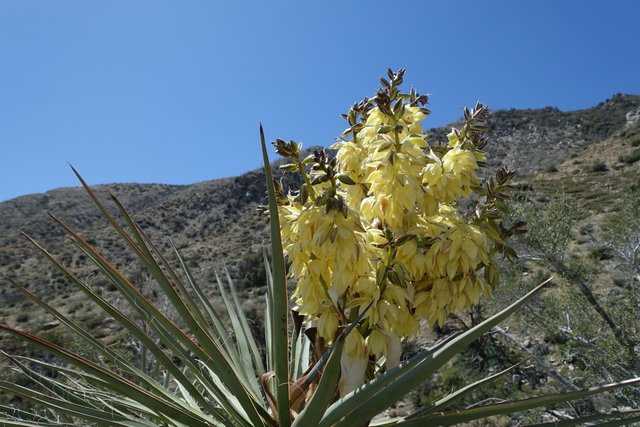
(376, 232)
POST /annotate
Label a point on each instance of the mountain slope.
(214, 222)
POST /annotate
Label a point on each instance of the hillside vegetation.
(578, 172)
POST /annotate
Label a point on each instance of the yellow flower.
(351, 158)
(353, 363)
(377, 342)
(327, 324)
(327, 256)
(387, 164)
(436, 299)
(385, 344)
(400, 250)
(393, 350)
(451, 177)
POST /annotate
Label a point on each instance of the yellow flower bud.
(327, 324)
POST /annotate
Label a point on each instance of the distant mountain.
(531, 140)
(215, 222)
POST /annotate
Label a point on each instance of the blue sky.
(173, 91)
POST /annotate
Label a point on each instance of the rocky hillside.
(215, 222)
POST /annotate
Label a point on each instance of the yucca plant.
(376, 246)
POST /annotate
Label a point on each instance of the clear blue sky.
(173, 91)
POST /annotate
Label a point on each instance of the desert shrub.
(550, 228)
(631, 158)
(598, 167)
(22, 318)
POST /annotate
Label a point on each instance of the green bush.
(598, 167)
(631, 158)
(602, 253)
(22, 318)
